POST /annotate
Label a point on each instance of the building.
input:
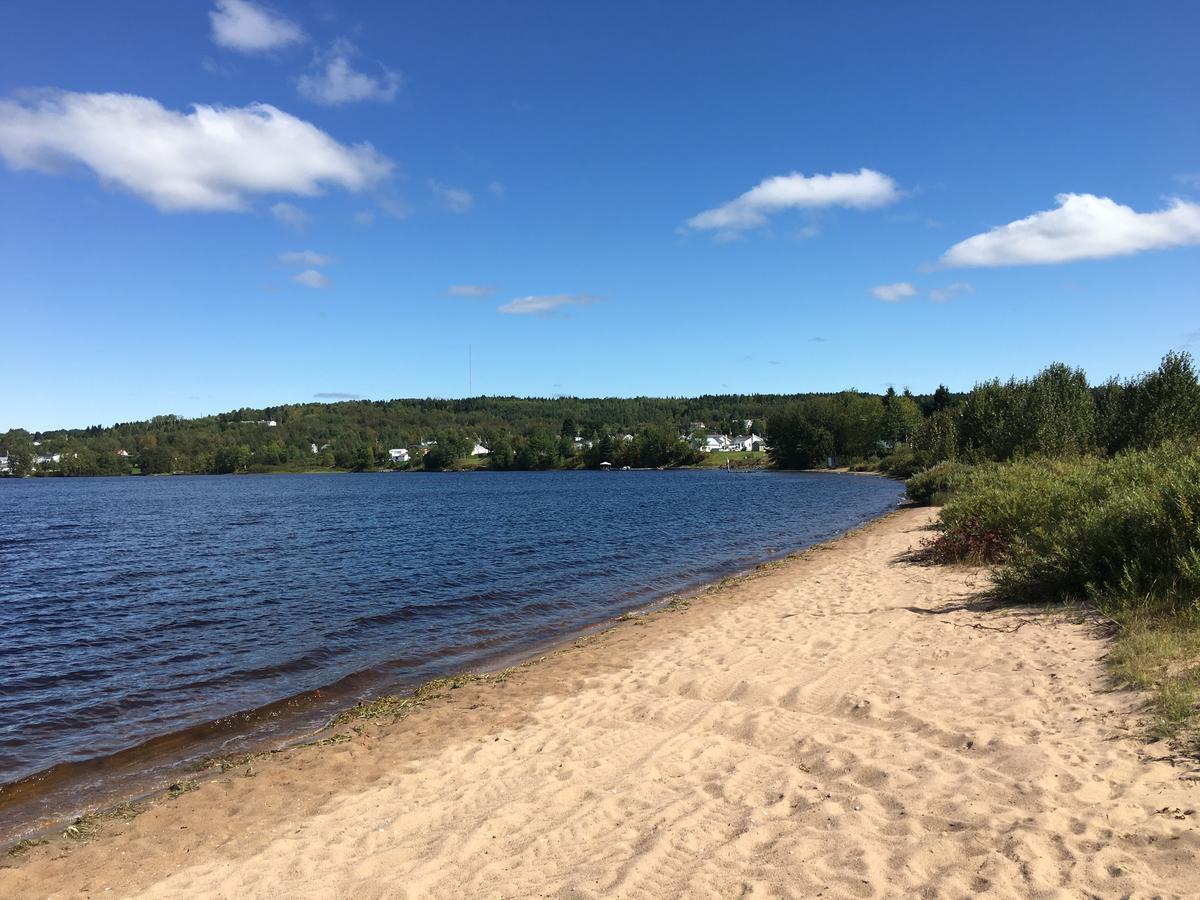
(715, 443)
(479, 450)
(746, 443)
(399, 454)
(5, 468)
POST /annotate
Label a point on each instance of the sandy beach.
(845, 723)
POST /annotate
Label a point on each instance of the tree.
(157, 460)
(501, 454)
(538, 451)
(796, 441)
(231, 458)
(1165, 404)
(901, 417)
(17, 445)
(451, 446)
(936, 440)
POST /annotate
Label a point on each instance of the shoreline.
(813, 725)
(40, 804)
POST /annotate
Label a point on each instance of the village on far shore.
(697, 437)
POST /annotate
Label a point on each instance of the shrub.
(934, 485)
(1123, 532)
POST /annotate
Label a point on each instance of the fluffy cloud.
(312, 278)
(336, 81)
(455, 199)
(1083, 226)
(304, 258)
(894, 293)
(471, 290)
(545, 304)
(950, 291)
(865, 189)
(290, 215)
(250, 28)
(208, 159)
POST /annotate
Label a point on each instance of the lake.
(149, 620)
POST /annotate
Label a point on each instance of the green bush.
(900, 464)
(1122, 532)
(933, 486)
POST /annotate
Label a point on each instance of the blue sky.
(576, 172)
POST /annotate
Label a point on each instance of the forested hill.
(359, 434)
(1054, 414)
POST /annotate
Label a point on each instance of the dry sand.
(845, 723)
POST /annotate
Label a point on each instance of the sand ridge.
(844, 724)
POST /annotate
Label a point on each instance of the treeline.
(529, 433)
(1053, 414)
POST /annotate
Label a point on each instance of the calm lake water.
(134, 608)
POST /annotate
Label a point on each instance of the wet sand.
(842, 723)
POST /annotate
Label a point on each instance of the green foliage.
(1160, 406)
(901, 418)
(1052, 414)
(936, 439)
(451, 446)
(1122, 532)
(935, 484)
(796, 441)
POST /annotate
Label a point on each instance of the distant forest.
(1055, 413)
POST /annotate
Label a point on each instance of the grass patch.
(1160, 654)
(753, 459)
(20, 848)
(179, 788)
(394, 708)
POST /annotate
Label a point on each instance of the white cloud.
(304, 258)
(471, 290)
(894, 293)
(1083, 226)
(250, 28)
(497, 190)
(336, 81)
(865, 189)
(455, 199)
(290, 215)
(950, 291)
(312, 278)
(394, 206)
(208, 159)
(546, 304)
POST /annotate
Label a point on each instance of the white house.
(745, 443)
(479, 450)
(5, 468)
(627, 438)
(714, 443)
(399, 454)
(46, 460)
